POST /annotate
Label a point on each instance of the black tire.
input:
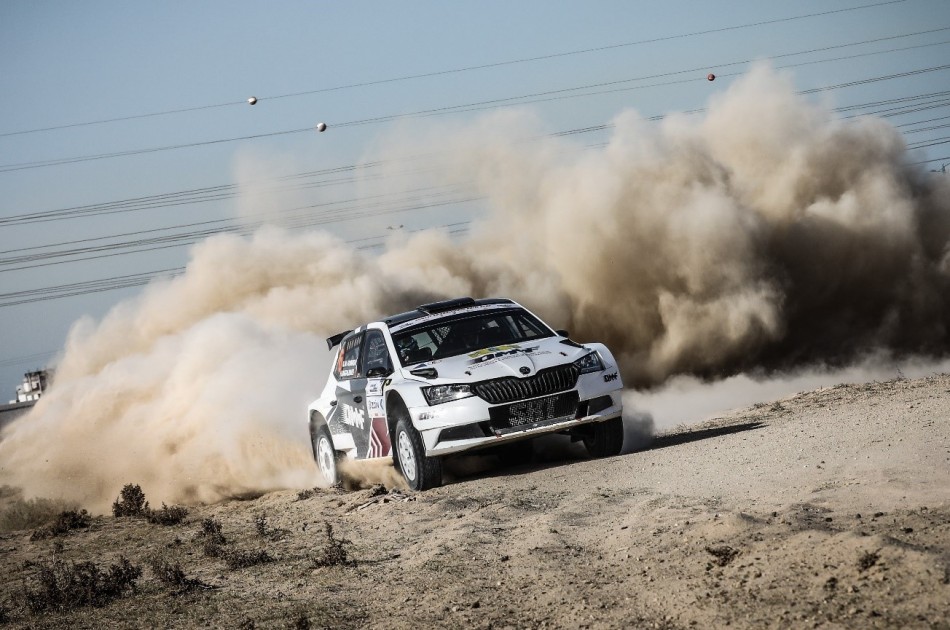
(419, 471)
(605, 439)
(324, 454)
(516, 453)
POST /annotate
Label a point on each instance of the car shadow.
(685, 437)
(552, 454)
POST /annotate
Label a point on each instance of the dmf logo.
(610, 377)
(498, 352)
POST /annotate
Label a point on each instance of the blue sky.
(65, 63)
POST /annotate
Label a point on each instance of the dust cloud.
(765, 235)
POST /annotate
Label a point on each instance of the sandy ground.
(829, 509)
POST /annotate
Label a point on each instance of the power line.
(463, 69)
(110, 250)
(29, 359)
(521, 100)
(319, 178)
(112, 283)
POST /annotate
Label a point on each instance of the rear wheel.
(325, 455)
(605, 438)
(420, 472)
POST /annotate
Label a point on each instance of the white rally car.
(456, 376)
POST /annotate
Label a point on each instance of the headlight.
(438, 394)
(590, 362)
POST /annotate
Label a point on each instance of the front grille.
(529, 414)
(545, 382)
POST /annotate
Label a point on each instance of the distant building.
(33, 386)
(27, 393)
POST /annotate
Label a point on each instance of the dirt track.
(828, 509)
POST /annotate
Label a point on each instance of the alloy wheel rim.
(326, 460)
(406, 457)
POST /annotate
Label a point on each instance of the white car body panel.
(361, 429)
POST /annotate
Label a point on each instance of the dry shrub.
(335, 551)
(63, 586)
(66, 521)
(306, 494)
(213, 539)
(723, 554)
(243, 559)
(264, 530)
(167, 515)
(867, 560)
(131, 502)
(173, 575)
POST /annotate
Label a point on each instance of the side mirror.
(563, 333)
(378, 372)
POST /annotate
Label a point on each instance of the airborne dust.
(765, 235)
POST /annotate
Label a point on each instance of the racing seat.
(418, 355)
(492, 336)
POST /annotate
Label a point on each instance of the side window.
(347, 361)
(376, 354)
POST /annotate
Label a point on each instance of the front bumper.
(472, 423)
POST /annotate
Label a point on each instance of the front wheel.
(325, 455)
(420, 472)
(605, 439)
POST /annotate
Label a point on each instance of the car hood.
(519, 359)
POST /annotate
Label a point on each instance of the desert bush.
(210, 534)
(335, 551)
(173, 575)
(867, 560)
(21, 514)
(65, 522)
(243, 559)
(302, 623)
(64, 586)
(260, 524)
(4, 613)
(306, 494)
(723, 554)
(131, 502)
(264, 530)
(167, 515)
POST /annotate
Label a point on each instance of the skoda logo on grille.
(524, 370)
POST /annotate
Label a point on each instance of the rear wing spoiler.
(336, 339)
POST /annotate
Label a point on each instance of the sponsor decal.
(610, 377)
(524, 369)
(374, 387)
(353, 416)
(500, 352)
(375, 406)
(484, 351)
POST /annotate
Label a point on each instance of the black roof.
(422, 311)
(438, 307)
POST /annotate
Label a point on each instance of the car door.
(376, 366)
(350, 413)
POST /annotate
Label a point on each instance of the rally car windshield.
(466, 333)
